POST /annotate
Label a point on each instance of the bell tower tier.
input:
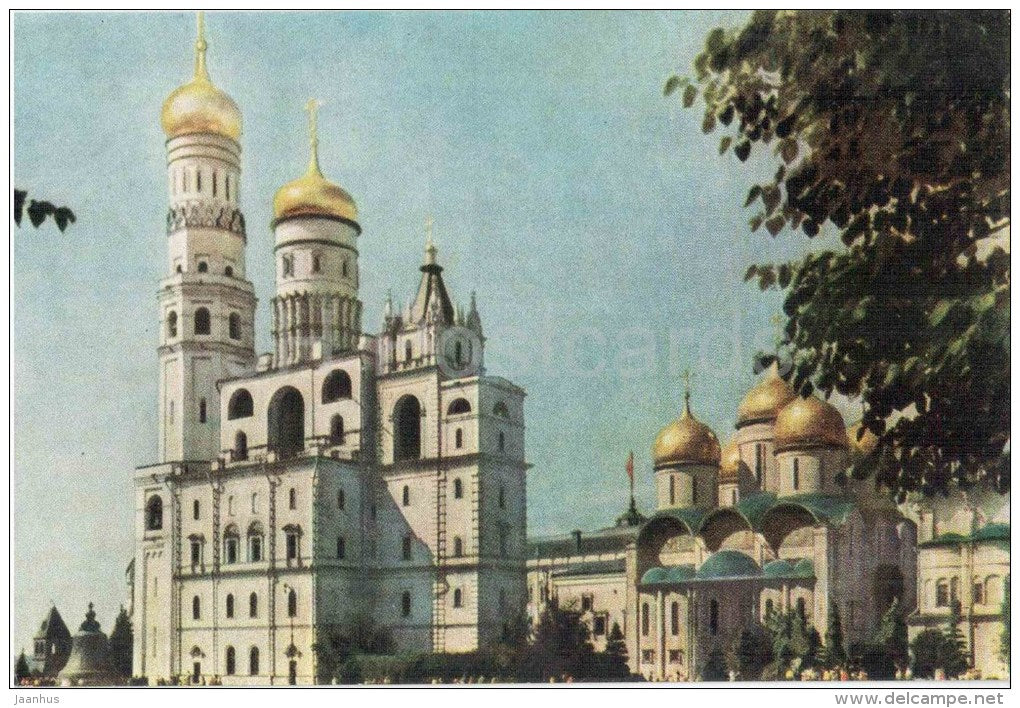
(206, 307)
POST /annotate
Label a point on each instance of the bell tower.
(206, 306)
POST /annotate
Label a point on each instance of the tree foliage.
(1004, 638)
(893, 129)
(892, 634)
(38, 211)
(715, 666)
(21, 669)
(927, 652)
(122, 644)
(754, 652)
(834, 652)
(953, 657)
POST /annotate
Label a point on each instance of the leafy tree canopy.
(893, 128)
(38, 211)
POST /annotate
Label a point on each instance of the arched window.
(405, 548)
(171, 325)
(672, 490)
(240, 446)
(942, 593)
(203, 324)
(341, 548)
(316, 263)
(230, 606)
(293, 538)
(644, 619)
(254, 545)
(196, 608)
(214, 175)
(458, 597)
(759, 462)
(203, 267)
(154, 513)
(502, 441)
(458, 489)
(231, 668)
(226, 186)
(978, 592)
(253, 605)
(407, 429)
(341, 499)
(253, 661)
(713, 617)
(406, 496)
(336, 430)
(796, 473)
(459, 407)
(337, 385)
(286, 434)
(292, 603)
(458, 547)
(802, 607)
(292, 498)
(674, 618)
(343, 268)
(407, 351)
(241, 405)
(234, 325)
(769, 607)
(201, 410)
(229, 271)
(198, 180)
(954, 589)
(231, 543)
(405, 603)
(501, 410)
(458, 438)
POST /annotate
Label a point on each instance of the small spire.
(313, 136)
(687, 391)
(430, 246)
(201, 72)
(389, 303)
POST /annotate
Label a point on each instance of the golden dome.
(312, 194)
(866, 445)
(806, 422)
(198, 106)
(686, 441)
(763, 401)
(729, 465)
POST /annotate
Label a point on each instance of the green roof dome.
(781, 568)
(666, 576)
(728, 564)
(997, 532)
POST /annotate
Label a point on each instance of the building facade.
(342, 480)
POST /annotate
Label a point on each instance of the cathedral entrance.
(407, 429)
(287, 422)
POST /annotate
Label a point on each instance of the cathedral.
(772, 522)
(341, 480)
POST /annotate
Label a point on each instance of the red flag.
(630, 466)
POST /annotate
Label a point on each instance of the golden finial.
(201, 73)
(313, 134)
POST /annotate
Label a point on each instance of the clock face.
(460, 351)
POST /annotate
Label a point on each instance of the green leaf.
(775, 224)
(690, 93)
(942, 309)
(755, 222)
(672, 84)
(742, 150)
(708, 125)
(788, 149)
(724, 145)
(752, 194)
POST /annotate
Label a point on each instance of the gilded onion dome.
(198, 106)
(312, 194)
(762, 403)
(686, 441)
(863, 446)
(729, 465)
(809, 422)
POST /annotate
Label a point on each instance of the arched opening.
(458, 547)
(674, 618)
(292, 603)
(458, 489)
(253, 661)
(202, 411)
(231, 544)
(407, 429)
(336, 430)
(230, 606)
(292, 498)
(727, 527)
(287, 422)
(196, 608)
(240, 446)
(171, 325)
(336, 386)
(341, 548)
(234, 325)
(255, 543)
(240, 405)
(253, 605)
(231, 659)
(782, 520)
(405, 603)
(459, 407)
(203, 323)
(458, 438)
(458, 598)
(406, 496)
(407, 351)
(154, 513)
(196, 509)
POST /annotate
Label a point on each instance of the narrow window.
(253, 661)
(502, 441)
(954, 590)
(230, 505)
(942, 594)
(171, 325)
(154, 514)
(292, 546)
(234, 325)
(203, 267)
(672, 491)
(230, 544)
(316, 263)
(713, 617)
(769, 607)
(229, 271)
(196, 608)
(240, 446)
(644, 619)
(195, 510)
(405, 550)
(978, 593)
(292, 498)
(341, 500)
(230, 606)
(407, 496)
(458, 489)
(201, 410)
(254, 502)
(214, 183)
(255, 548)
(458, 547)
(343, 268)
(458, 598)
(674, 619)
(796, 473)
(196, 553)
(336, 430)
(502, 497)
(801, 608)
(407, 351)
(203, 323)
(458, 439)
(198, 180)
(226, 187)
(288, 265)
(292, 603)
(405, 603)
(187, 182)
(341, 548)
(253, 605)
(694, 492)
(759, 462)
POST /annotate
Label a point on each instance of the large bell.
(89, 663)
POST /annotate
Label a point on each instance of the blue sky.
(602, 231)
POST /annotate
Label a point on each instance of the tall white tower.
(206, 306)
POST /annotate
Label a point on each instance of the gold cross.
(313, 111)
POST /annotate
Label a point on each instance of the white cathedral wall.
(747, 438)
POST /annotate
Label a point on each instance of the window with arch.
(406, 496)
(458, 489)
(253, 661)
(292, 498)
(405, 547)
(796, 473)
(293, 539)
(229, 271)
(231, 659)
(240, 446)
(214, 175)
(316, 263)
(234, 325)
(240, 405)
(292, 603)
(154, 513)
(459, 407)
(255, 544)
(178, 268)
(286, 423)
(196, 509)
(185, 180)
(196, 551)
(203, 322)
(336, 430)
(713, 617)
(196, 608)
(407, 429)
(343, 268)
(405, 603)
(341, 548)
(458, 438)
(978, 592)
(672, 490)
(230, 505)
(502, 441)
(253, 605)
(198, 180)
(408, 351)
(458, 547)
(230, 606)
(769, 607)
(802, 607)
(336, 386)
(202, 412)
(674, 618)
(226, 187)
(171, 325)
(341, 499)
(644, 619)
(759, 462)
(458, 597)
(231, 544)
